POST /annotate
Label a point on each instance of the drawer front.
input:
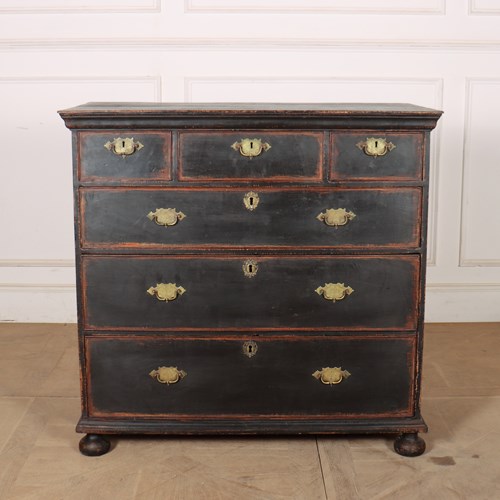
(208, 377)
(373, 155)
(224, 293)
(280, 218)
(261, 155)
(124, 155)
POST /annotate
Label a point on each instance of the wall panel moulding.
(484, 7)
(78, 6)
(480, 214)
(413, 7)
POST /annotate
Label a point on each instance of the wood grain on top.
(333, 109)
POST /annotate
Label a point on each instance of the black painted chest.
(250, 268)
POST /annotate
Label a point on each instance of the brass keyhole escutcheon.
(250, 268)
(375, 146)
(250, 348)
(123, 146)
(251, 147)
(251, 200)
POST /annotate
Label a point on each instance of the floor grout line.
(321, 468)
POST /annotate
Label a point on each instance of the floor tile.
(12, 411)
(30, 358)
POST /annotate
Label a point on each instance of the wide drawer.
(123, 156)
(337, 377)
(241, 218)
(375, 155)
(253, 154)
(229, 292)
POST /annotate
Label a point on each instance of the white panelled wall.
(59, 53)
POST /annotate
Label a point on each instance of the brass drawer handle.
(375, 146)
(331, 376)
(251, 147)
(166, 291)
(167, 374)
(166, 216)
(334, 291)
(336, 217)
(123, 146)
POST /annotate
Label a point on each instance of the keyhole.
(376, 144)
(251, 200)
(250, 348)
(251, 144)
(250, 268)
(123, 144)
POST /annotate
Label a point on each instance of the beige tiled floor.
(39, 458)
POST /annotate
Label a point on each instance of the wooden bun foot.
(94, 445)
(409, 445)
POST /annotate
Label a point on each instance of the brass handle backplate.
(166, 216)
(331, 376)
(336, 217)
(166, 291)
(123, 146)
(375, 146)
(167, 374)
(251, 147)
(334, 291)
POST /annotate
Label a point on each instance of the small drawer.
(253, 154)
(123, 156)
(147, 376)
(251, 292)
(376, 155)
(236, 218)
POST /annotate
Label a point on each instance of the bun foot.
(409, 445)
(94, 445)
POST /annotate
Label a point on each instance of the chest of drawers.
(250, 269)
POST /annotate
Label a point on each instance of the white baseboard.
(37, 303)
(446, 302)
(462, 302)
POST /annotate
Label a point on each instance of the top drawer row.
(279, 156)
